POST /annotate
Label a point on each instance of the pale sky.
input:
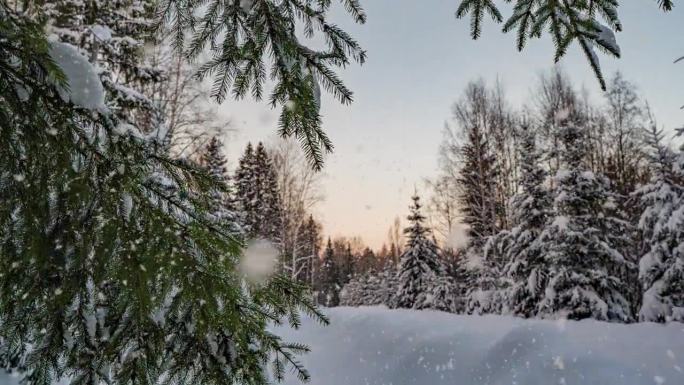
(420, 58)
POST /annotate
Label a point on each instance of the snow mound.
(85, 88)
(374, 346)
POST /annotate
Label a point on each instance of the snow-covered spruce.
(484, 289)
(420, 266)
(328, 292)
(257, 198)
(661, 268)
(222, 201)
(477, 180)
(514, 275)
(581, 246)
(371, 289)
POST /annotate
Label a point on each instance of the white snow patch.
(561, 114)
(84, 86)
(606, 37)
(101, 32)
(474, 350)
(561, 222)
(127, 205)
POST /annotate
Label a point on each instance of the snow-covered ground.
(373, 346)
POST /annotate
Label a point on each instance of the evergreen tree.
(358, 291)
(477, 182)
(329, 278)
(386, 288)
(444, 296)
(478, 187)
(661, 268)
(257, 194)
(419, 266)
(370, 289)
(458, 270)
(214, 160)
(581, 244)
(346, 262)
(112, 269)
(221, 203)
(246, 190)
(366, 261)
(484, 285)
(374, 288)
(516, 253)
(311, 243)
(269, 208)
(112, 33)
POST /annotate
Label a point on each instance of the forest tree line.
(122, 237)
(567, 207)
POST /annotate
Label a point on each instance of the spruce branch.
(249, 42)
(567, 21)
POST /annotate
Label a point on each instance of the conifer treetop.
(420, 264)
(416, 218)
(213, 158)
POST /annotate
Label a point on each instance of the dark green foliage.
(345, 261)
(309, 251)
(567, 21)
(111, 269)
(582, 244)
(420, 266)
(222, 202)
(330, 280)
(477, 177)
(252, 40)
(514, 255)
(257, 196)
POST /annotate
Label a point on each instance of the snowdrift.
(374, 346)
(377, 346)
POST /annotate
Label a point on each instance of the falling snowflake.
(259, 259)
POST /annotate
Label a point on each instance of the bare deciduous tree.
(300, 191)
(442, 206)
(483, 125)
(190, 116)
(395, 239)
